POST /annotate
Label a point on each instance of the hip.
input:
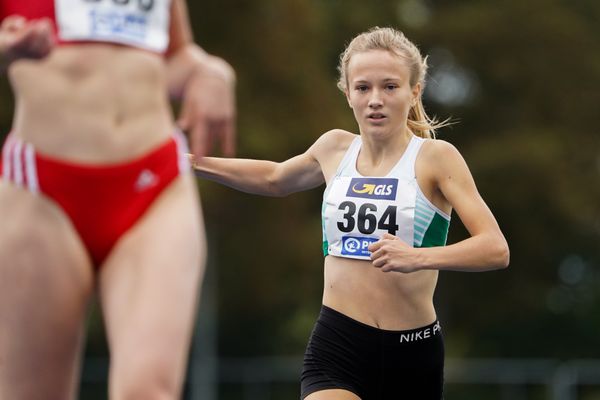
(373, 363)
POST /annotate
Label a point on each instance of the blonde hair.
(395, 42)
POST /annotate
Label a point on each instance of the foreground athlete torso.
(97, 103)
(96, 100)
(99, 96)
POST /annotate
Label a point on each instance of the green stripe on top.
(325, 241)
(325, 248)
(422, 219)
(437, 233)
(430, 227)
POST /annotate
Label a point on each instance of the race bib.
(360, 210)
(138, 23)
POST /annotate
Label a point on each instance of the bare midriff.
(92, 103)
(386, 300)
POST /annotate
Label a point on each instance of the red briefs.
(103, 201)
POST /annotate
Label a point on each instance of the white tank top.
(358, 210)
(138, 23)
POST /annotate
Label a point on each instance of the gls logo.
(373, 188)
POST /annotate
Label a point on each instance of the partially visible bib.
(358, 210)
(136, 23)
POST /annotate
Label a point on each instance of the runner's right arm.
(277, 179)
(266, 178)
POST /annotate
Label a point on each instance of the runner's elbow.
(501, 254)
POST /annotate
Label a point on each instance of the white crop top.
(137, 23)
(358, 210)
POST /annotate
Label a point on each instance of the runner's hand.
(20, 38)
(392, 254)
(208, 108)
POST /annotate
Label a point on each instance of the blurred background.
(522, 81)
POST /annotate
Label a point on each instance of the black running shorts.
(375, 364)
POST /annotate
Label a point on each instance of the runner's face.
(379, 91)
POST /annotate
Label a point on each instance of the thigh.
(148, 290)
(46, 280)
